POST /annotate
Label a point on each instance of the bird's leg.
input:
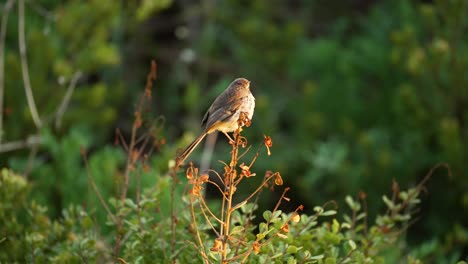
(231, 141)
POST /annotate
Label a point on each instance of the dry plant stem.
(24, 66)
(130, 162)
(3, 29)
(123, 193)
(278, 203)
(315, 217)
(197, 232)
(66, 99)
(173, 174)
(133, 152)
(120, 139)
(366, 226)
(137, 196)
(32, 154)
(219, 188)
(230, 188)
(95, 189)
(41, 10)
(20, 144)
(204, 207)
(259, 188)
(208, 221)
(248, 222)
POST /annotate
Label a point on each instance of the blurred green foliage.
(68, 39)
(353, 93)
(29, 235)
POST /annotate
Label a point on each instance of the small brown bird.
(224, 113)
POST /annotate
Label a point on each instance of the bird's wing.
(224, 101)
(222, 113)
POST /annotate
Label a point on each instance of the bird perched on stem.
(224, 113)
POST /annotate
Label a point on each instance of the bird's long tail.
(181, 158)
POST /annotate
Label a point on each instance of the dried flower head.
(256, 247)
(362, 195)
(395, 186)
(191, 171)
(246, 171)
(244, 120)
(278, 179)
(146, 168)
(217, 245)
(204, 178)
(268, 143)
(138, 119)
(295, 217)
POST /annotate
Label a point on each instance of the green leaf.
(388, 202)
(260, 236)
(352, 244)
(87, 223)
(148, 7)
(267, 215)
(291, 250)
(237, 229)
(335, 226)
(317, 257)
(318, 209)
(329, 212)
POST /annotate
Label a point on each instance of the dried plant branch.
(229, 239)
(95, 188)
(217, 174)
(41, 10)
(29, 164)
(260, 187)
(30, 141)
(3, 29)
(134, 153)
(208, 221)
(173, 174)
(230, 190)
(219, 188)
(210, 213)
(66, 99)
(119, 138)
(205, 257)
(24, 67)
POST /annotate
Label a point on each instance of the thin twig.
(66, 99)
(173, 173)
(3, 29)
(267, 179)
(29, 165)
(41, 10)
(203, 205)
(219, 188)
(20, 144)
(120, 138)
(96, 190)
(24, 66)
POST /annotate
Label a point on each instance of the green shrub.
(28, 235)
